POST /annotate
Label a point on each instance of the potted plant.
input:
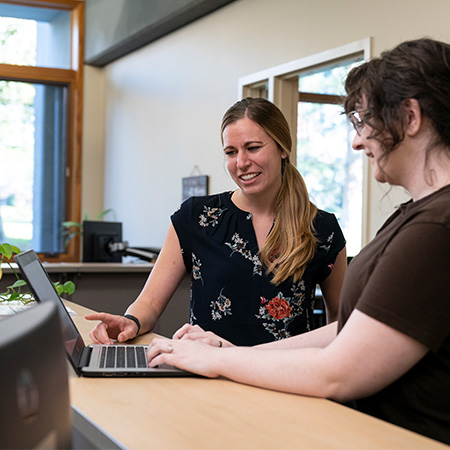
(17, 291)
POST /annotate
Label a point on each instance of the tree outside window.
(332, 170)
(40, 100)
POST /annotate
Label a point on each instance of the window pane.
(34, 36)
(329, 80)
(33, 160)
(331, 168)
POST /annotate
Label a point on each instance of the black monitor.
(35, 405)
(97, 239)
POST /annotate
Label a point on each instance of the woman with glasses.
(389, 353)
(255, 255)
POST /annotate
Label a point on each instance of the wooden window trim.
(309, 97)
(72, 77)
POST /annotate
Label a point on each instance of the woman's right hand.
(111, 327)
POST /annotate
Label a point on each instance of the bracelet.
(135, 320)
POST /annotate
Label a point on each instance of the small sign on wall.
(195, 186)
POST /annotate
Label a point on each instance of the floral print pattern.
(220, 307)
(196, 264)
(239, 245)
(278, 312)
(210, 216)
(329, 242)
(278, 307)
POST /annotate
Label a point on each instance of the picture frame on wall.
(195, 186)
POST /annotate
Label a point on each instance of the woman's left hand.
(196, 333)
(185, 354)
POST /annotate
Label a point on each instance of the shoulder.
(325, 222)
(433, 209)
(324, 216)
(330, 238)
(199, 203)
(430, 211)
(214, 200)
(205, 210)
(423, 236)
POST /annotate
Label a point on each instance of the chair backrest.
(34, 392)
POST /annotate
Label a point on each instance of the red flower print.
(279, 308)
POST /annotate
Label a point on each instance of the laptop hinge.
(85, 357)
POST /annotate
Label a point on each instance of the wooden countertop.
(200, 413)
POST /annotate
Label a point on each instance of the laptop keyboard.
(123, 356)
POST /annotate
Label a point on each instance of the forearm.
(164, 279)
(298, 371)
(145, 313)
(319, 338)
(365, 357)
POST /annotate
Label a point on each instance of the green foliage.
(68, 287)
(14, 291)
(72, 229)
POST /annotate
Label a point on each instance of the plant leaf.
(58, 287)
(69, 224)
(16, 250)
(6, 250)
(103, 213)
(69, 287)
(13, 296)
(18, 283)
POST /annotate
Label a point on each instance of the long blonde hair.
(292, 242)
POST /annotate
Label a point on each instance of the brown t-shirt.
(402, 278)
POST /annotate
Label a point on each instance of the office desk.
(199, 413)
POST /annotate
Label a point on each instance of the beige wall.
(93, 158)
(154, 115)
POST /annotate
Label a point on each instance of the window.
(41, 46)
(332, 170)
(309, 92)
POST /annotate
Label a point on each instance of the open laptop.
(94, 360)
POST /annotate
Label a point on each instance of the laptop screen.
(44, 291)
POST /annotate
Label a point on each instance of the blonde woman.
(255, 254)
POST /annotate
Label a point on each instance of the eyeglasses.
(357, 120)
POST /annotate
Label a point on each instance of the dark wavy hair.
(418, 69)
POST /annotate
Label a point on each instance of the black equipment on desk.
(102, 242)
(34, 389)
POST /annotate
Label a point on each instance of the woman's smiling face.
(364, 140)
(253, 158)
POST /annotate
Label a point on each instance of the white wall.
(163, 104)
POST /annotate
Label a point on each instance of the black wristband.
(135, 320)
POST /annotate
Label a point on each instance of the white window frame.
(280, 85)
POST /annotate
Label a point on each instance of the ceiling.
(115, 28)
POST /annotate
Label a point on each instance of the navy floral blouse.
(231, 294)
